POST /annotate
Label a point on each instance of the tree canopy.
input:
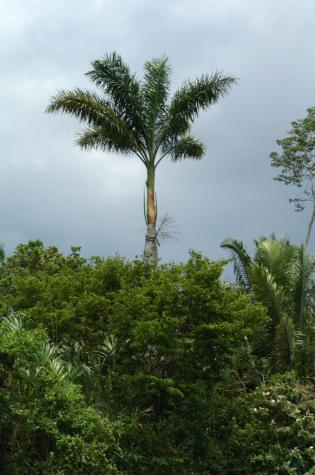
(114, 367)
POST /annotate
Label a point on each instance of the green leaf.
(185, 147)
(155, 92)
(115, 78)
(190, 99)
(240, 259)
(284, 344)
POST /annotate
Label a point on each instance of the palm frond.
(99, 114)
(276, 255)
(72, 371)
(305, 349)
(300, 276)
(97, 138)
(47, 358)
(84, 105)
(166, 228)
(58, 368)
(115, 78)
(155, 92)
(15, 322)
(240, 259)
(46, 353)
(258, 240)
(267, 291)
(284, 344)
(109, 347)
(186, 146)
(76, 368)
(86, 372)
(192, 97)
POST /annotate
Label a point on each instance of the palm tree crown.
(139, 117)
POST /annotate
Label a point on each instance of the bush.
(46, 426)
(148, 349)
(273, 430)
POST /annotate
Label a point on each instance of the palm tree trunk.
(310, 226)
(150, 247)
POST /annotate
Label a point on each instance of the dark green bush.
(46, 426)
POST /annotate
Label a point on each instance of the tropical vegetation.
(280, 275)
(110, 366)
(117, 367)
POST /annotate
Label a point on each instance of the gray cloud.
(53, 191)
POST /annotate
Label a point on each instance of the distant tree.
(137, 117)
(297, 163)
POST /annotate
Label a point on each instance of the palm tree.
(138, 117)
(280, 275)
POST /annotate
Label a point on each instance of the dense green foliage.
(273, 429)
(45, 425)
(113, 367)
(280, 275)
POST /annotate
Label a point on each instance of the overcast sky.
(53, 191)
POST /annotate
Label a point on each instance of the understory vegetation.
(115, 367)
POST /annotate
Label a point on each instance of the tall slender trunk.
(150, 246)
(310, 225)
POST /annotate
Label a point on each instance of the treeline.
(115, 367)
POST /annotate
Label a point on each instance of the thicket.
(112, 367)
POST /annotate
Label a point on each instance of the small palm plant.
(280, 275)
(139, 118)
(15, 321)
